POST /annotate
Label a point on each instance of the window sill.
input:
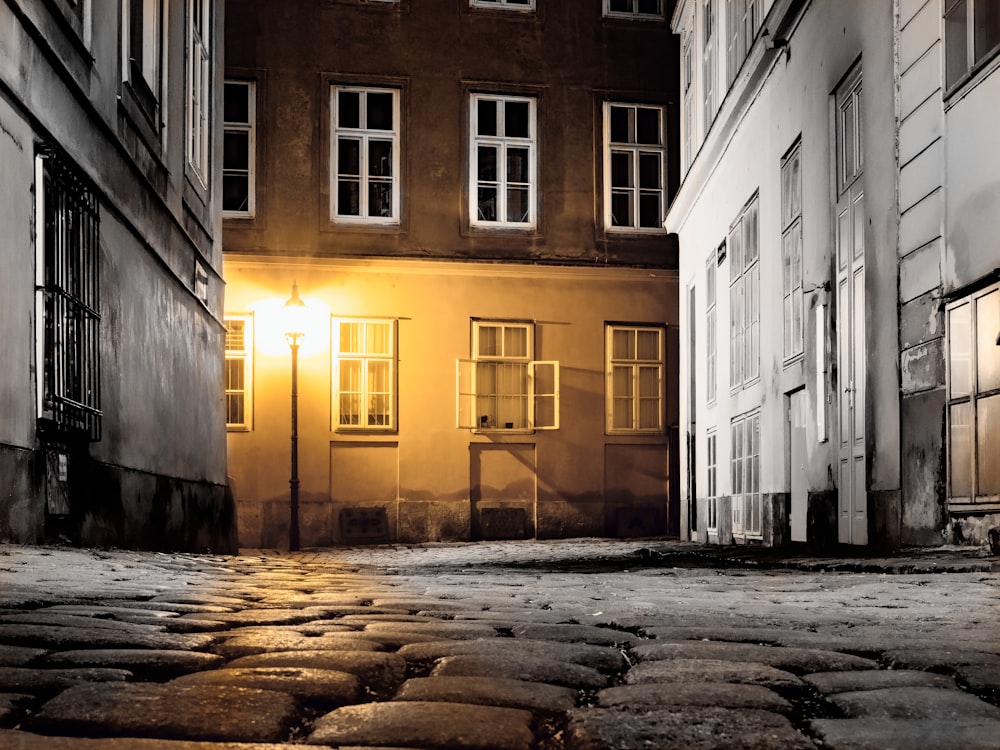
(990, 506)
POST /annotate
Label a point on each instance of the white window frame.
(973, 374)
(636, 153)
(636, 11)
(364, 395)
(962, 57)
(743, 20)
(145, 76)
(525, 6)
(365, 136)
(243, 355)
(711, 328)
(537, 390)
(249, 127)
(793, 312)
(712, 483)
(199, 87)
(688, 88)
(744, 296)
(709, 30)
(745, 475)
(502, 143)
(636, 366)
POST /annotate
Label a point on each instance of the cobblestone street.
(569, 644)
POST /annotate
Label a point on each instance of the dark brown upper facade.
(523, 130)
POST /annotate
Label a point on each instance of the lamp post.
(294, 310)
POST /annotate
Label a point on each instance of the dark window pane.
(517, 204)
(956, 46)
(348, 109)
(621, 209)
(516, 119)
(649, 7)
(621, 169)
(487, 204)
(347, 198)
(380, 199)
(380, 158)
(348, 156)
(235, 193)
(487, 164)
(236, 106)
(236, 150)
(649, 171)
(649, 210)
(648, 126)
(620, 6)
(487, 117)
(517, 165)
(621, 125)
(987, 28)
(379, 111)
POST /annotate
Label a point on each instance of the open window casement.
(489, 399)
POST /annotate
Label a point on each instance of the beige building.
(479, 241)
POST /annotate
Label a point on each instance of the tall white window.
(365, 155)
(687, 84)
(239, 145)
(708, 65)
(365, 392)
(971, 37)
(636, 9)
(635, 166)
(712, 488)
(743, 19)
(744, 298)
(199, 86)
(791, 250)
(745, 475)
(711, 330)
(635, 388)
(502, 387)
(503, 161)
(142, 51)
(974, 398)
(239, 372)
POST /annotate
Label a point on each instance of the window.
(365, 395)
(687, 68)
(503, 159)
(711, 357)
(635, 9)
(711, 460)
(200, 284)
(68, 300)
(850, 156)
(974, 398)
(745, 475)
(708, 64)
(743, 19)
(635, 362)
(199, 86)
(501, 387)
(239, 371)
(142, 48)
(744, 298)
(635, 167)
(791, 250)
(239, 188)
(365, 155)
(971, 36)
(505, 4)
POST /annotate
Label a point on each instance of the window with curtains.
(239, 372)
(365, 392)
(635, 388)
(744, 297)
(68, 291)
(973, 328)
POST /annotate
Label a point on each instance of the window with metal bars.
(68, 300)
(239, 372)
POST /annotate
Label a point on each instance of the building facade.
(469, 197)
(110, 272)
(831, 155)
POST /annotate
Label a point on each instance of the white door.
(853, 503)
(797, 464)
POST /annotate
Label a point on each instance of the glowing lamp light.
(294, 317)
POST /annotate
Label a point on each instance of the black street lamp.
(295, 311)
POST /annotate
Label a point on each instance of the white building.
(834, 225)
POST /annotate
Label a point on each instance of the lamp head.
(294, 313)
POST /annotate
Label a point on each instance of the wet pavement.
(524, 645)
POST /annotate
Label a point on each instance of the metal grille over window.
(238, 372)
(69, 289)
